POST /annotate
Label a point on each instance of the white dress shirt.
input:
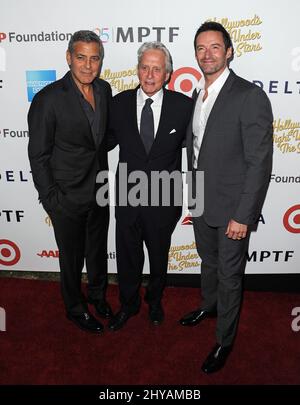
(203, 109)
(156, 106)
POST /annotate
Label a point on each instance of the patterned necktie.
(147, 125)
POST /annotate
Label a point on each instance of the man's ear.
(68, 57)
(229, 54)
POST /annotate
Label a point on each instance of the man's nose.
(149, 73)
(207, 52)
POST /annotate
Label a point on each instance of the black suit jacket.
(236, 153)
(166, 151)
(63, 154)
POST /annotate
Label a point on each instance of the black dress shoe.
(216, 359)
(102, 308)
(87, 322)
(195, 317)
(156, 314)
(119, 320)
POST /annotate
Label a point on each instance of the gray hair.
(85, 36)
(156, 45)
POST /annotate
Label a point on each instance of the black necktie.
(147, 125)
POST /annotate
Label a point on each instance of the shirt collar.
(201, 84)
(94, 84)
(142, 96)
(219, 82)
(216, 85)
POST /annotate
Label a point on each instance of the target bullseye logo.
(291, 219)
(184, 80)
(9, 253)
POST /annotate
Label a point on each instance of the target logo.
(9, 253)
(291, 219)
(184, 80)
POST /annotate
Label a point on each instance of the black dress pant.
(130, 239)
(78, 238)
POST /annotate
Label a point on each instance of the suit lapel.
(217, 109)
(189, 132)
(103, 113)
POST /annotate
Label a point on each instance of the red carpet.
(40, 346)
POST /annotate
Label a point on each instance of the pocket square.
(173, 131)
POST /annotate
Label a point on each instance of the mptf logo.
(291, 219)
(184, 80)
(37, 79)
(9, 253)
(137, 34)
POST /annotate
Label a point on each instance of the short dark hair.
(85, 36)
(214, 26)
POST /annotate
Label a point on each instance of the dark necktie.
(147, 125)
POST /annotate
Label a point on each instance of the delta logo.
(54, 254)
(38, 79)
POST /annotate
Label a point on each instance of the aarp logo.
(2, 36)
(291, 219)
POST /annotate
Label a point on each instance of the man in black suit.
(149, 124)
(230, 139)
(67, 148)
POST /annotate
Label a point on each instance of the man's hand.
(236, 230)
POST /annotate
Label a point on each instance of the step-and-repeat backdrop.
(33, 40)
